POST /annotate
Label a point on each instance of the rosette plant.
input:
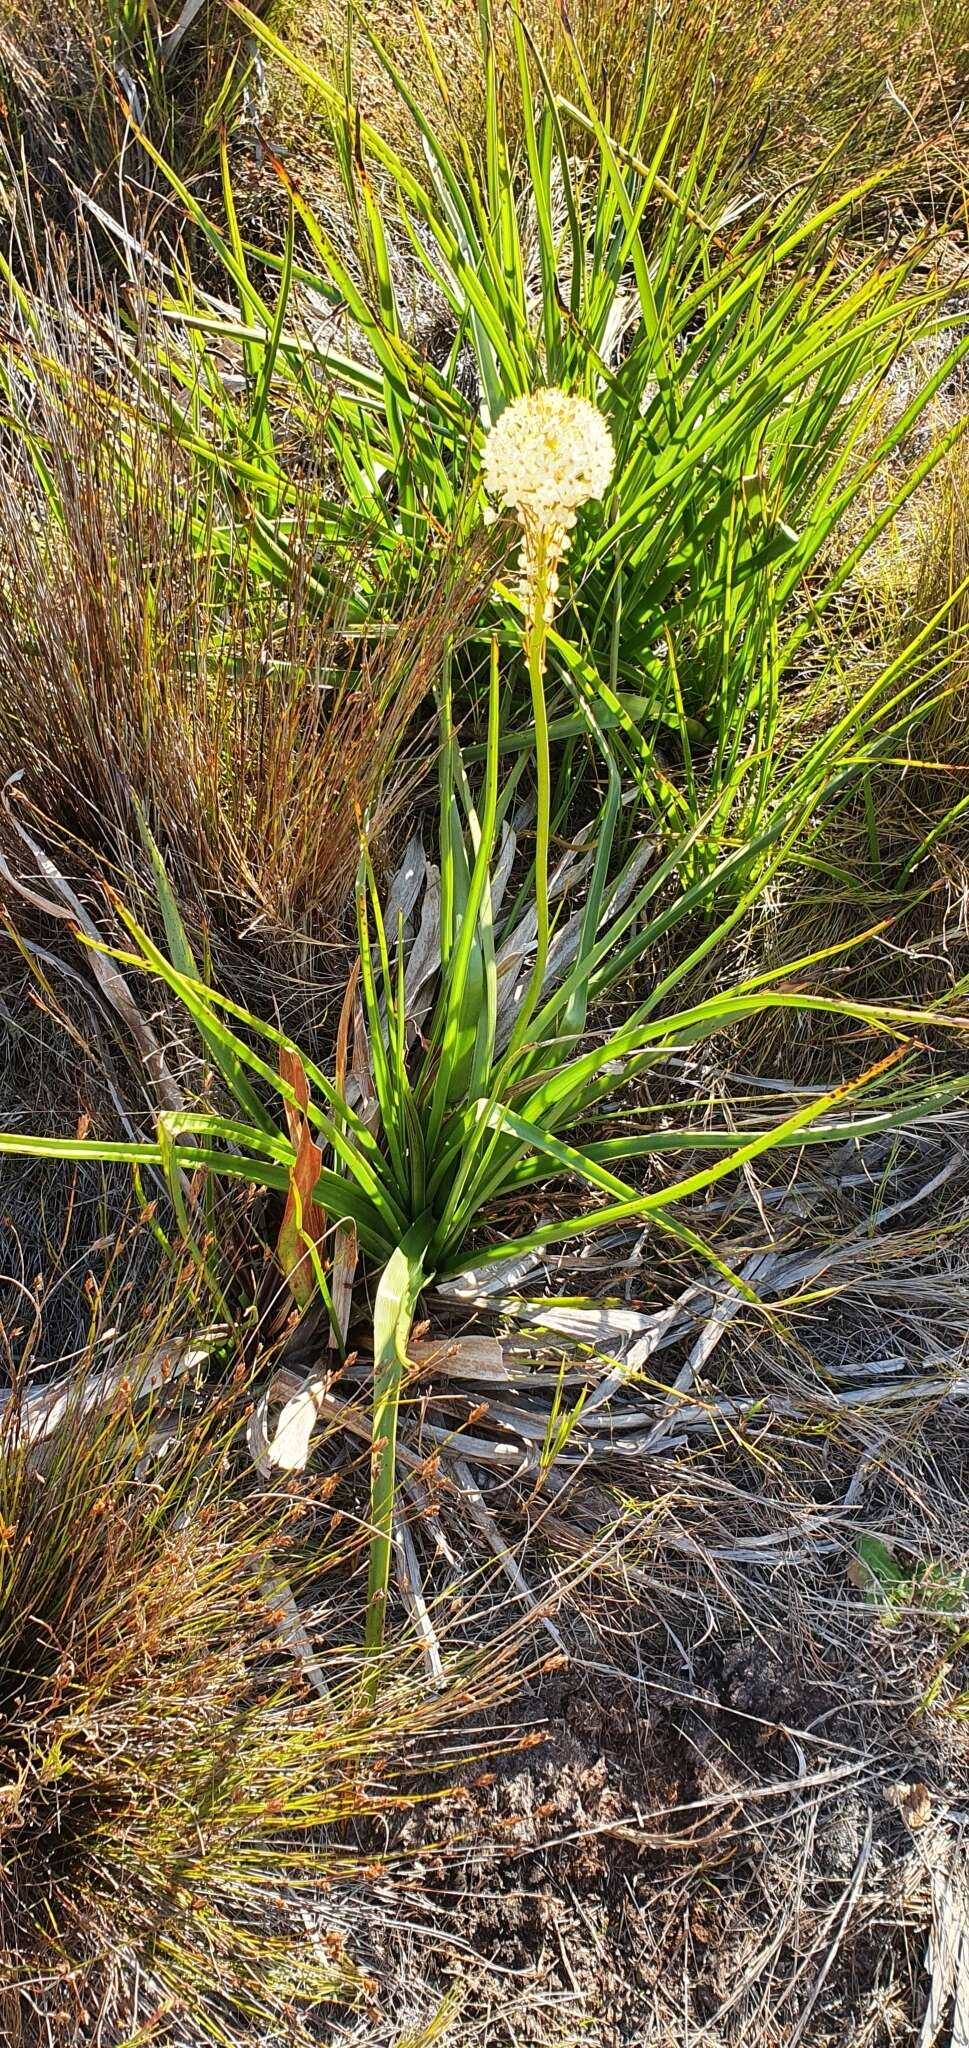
(491, 1066)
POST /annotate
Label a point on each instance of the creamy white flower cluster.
(546, 454)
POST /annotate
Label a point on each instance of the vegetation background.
(483, 1168)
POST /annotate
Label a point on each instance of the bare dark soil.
(733, 1867)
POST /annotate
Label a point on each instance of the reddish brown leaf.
(291, 1071)
(303, 1219)
(343, 1031)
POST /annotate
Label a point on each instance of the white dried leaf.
(289, 1445)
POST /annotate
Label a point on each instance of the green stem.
(393, 1316)
(536, 639)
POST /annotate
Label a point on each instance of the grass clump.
(185, 1824)
(156, 656)
(774, 91)
(81, 82)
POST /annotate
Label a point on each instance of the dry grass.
(916, 830)
(154, 666)
(742, 1799)
(942, 564)
(777, 85)
(779, 82)
(73, 74)
(701, 1820)
(193, 1840)
(788, 80)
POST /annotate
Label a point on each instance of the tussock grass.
(189, 1834)
(941, 567)
(77, 77)
(157, 667)
(937, 786)
(774, 90)
(784, 86)
(909, 834)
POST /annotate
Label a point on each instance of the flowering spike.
(546, 454)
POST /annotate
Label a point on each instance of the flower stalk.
(548, 453)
